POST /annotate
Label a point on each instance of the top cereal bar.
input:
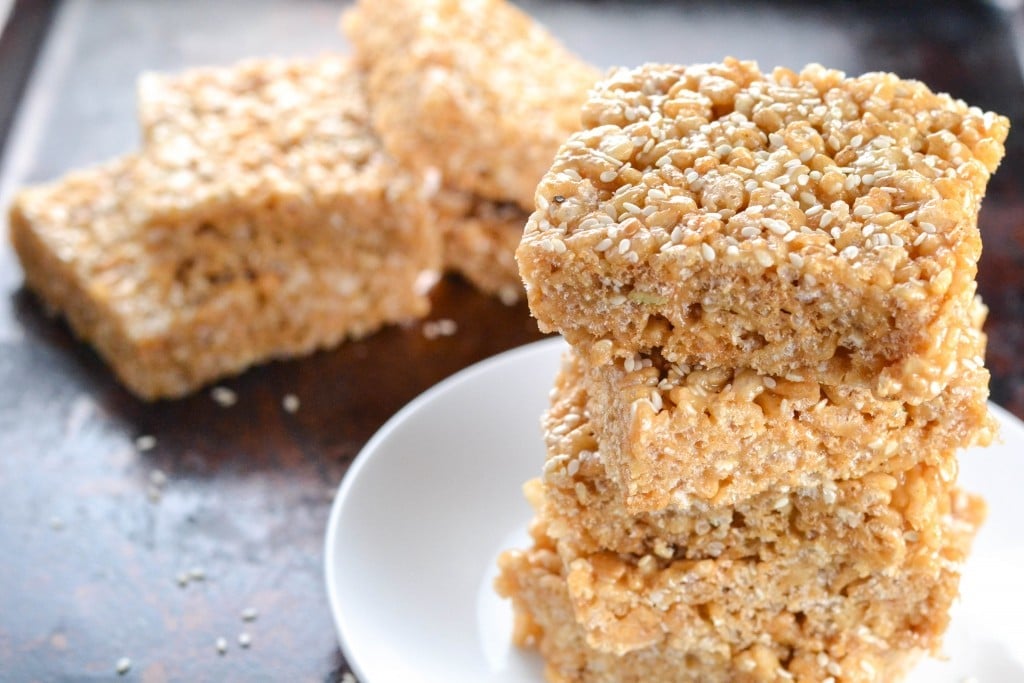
(772, 221)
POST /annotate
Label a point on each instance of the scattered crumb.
(508, 296)
(445, 327)
(222, 645)
(197, 574)
(249, 614)
(157, 478)
(56, 523)
(146, 442)
(182, 579)
(82, 409)
(290, 403)
(223, 397)
(244, 639)
(123, 666)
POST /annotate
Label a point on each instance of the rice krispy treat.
(535, 580)
(479, 90)
(480, 239)
(586, 509)
(263, 221)
(773, 221)
(672, 435)
(625, 603)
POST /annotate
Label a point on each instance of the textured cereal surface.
(672, 434)
(478, 90)
(539, 586)
(585, 507)
(734, 218)
(219, 246)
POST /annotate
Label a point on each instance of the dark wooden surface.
(88, 561)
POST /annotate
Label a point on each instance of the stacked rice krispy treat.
(480, 95)
(262, 219)
(768, 284)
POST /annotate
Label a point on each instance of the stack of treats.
(279, 206)
(768, 285)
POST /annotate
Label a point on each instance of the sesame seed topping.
(707, 252)
(123, 666)
(249, 614)
(608, 176)
(603, 245)
(223, 396)
(290, 403)
(145, 442)
(222, 645)
(244, 639)
(850, 252)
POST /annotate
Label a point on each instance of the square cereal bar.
(478, 90)
(584, 507)
(535, 580)
(773, 221)
(671, 434)
(263, 220)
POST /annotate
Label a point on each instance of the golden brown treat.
(480, 239)
(263, 221)
(585, 508)
(738, 219)
(672, 435)
(707, 649)
(478, 90)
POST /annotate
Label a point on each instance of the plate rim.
(366, 453)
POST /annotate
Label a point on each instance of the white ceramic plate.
(435, 496)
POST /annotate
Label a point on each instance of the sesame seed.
(290, 403)
(750, 232)
(158, 478)
(796, 259)
(223, 397)
(763, 258)
(863, 210)
(249, 614)
(445, 327)
(624, 245)
(603, 245)
(732, 250)
(707, 252)
(857, 141)
(928, 227)
(807, 154)
(777, 226)
(145, 442)
(221, 645)
(826, 219)
(850, 252)
(608, 176)
(123, 666)
(781, 503)
(244, 639)
(776, 140)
